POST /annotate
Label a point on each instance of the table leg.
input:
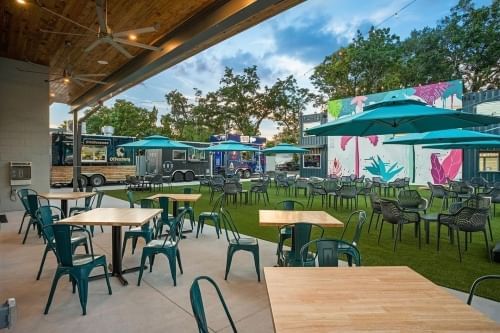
(64, 207)
(116, 269)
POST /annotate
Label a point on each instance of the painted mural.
(368, 156)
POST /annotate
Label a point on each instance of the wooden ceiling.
(21, 38)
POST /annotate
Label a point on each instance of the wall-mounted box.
(20, 173)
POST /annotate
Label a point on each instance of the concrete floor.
(154, 306)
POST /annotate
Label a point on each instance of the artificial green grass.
(443, 267)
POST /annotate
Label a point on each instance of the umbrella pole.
(413, 163)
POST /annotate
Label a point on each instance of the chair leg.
(398, 232)
(22, 222)
(106, 276)
(487, 245)
(458, 245)
(229, 259)
(380, 232)
(256, 261)
(83, 291)
(47, 249)
(371, 218)
(489, 227)
(134, 244)
(173, 268)
(201, 222)
(57, 276)
(179, 261)
(124, 246)
(141, 267)
(30, 223)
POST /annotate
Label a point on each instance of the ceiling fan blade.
(93, 45)
(75, 80)
(63, 17)
(89, 80)
(64, 33)
(132, 43)
(135, 32)
(35, 72)
(100, 6)
(120, 48)
(90, 75)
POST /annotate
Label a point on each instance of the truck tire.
(178, 177)
(189, 176)
(247, 174)
(97, 180)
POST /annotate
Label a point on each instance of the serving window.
(312, 161)
(489, 161)
(94, 153)
(196, 154)
(178, 155)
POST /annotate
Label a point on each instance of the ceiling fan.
(104, 33)
(68, 76)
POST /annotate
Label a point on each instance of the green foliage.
(126, 118)
(465, 44)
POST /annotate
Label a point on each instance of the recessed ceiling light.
(102, 62)
(21, 2)
(132, 37)
(52, 95)
(66, 80)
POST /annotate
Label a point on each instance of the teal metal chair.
(360, 215)
(286, 233)
(327, 252)
(130, 198)
(165, 217)
(168, 247)
(45, 214)
(479, 280)
(144, 231)
(187, 207)
(302, 233)
(212, 215)
(89, 203)
(238, 243)
(77, 266)
(33, 201)
(23, 197)
(199, 309)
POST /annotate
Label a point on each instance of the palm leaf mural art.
(379, 168)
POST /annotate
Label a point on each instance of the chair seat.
(78, 239)
(138, 230)
(244, 241)
(158, 243)
(209, 214)
(83, 259)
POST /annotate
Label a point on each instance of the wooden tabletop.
(382, 299)
(278, 218)
(177, 196)
(113, 217)
(67, 195)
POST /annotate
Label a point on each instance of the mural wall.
(368, 156)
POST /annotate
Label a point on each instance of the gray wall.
(24, 126)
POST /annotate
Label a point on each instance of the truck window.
(178, 155)
(196, 154)
(246, 156)
(94, 153)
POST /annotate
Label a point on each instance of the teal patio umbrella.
(230, 145)
(284, 148)
(400, 116)
(443, 136)
(466, 145)
(156, 142)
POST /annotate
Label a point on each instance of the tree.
(285, 101)
(126, 118)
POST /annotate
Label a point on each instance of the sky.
(292, 42)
